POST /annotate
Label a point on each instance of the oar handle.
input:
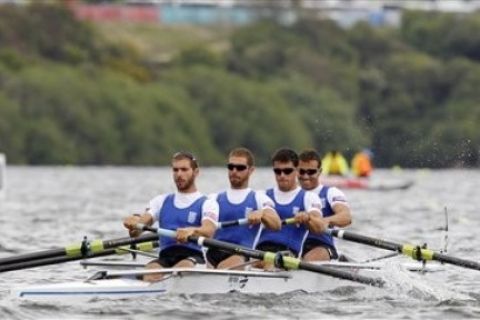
(288, 221)
(165, 232)
(233, 223)
(244, 221)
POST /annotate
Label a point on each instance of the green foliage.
(322, 112)
(47, 30)
(12, 130)
(197, 56)
(443, 34)
(259, 50)
(77, 93)
(97, 117)
(241, 112)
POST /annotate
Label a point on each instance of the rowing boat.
(301, 275)
(125, 283)
(366, 183)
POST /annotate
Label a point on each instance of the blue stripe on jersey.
(327, 212)
(242, 235)
(291, 235)
(173, 218)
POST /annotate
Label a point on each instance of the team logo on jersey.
(324, 203)
(295, 210)
(192, 216)
(247, 211)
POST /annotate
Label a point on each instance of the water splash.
(405, 284)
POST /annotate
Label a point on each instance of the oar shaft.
(47, 261)
(415, 252)
(342, 274)
(375, 242)
(456, 261)
(276, 258)
(32, 256)
(143, 246)
(287, 262)
(244, 221)
(76, 251)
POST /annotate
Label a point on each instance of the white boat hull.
(122, 284)
(185, 282)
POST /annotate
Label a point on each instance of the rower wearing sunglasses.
(291, 201)
(335, 208)
(239, 202)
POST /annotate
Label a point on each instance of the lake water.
(47, 207)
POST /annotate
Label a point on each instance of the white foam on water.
(407, 285)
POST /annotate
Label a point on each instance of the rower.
(362, 163)
(239, 202)
(334, 163)
(187, 211)
(335, 208)
(291, 201)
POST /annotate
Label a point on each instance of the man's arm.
(207, 229)
(341, 217)
(131, 222)
(315, 222)
(210, 212)
(267, 214)
(312, 218)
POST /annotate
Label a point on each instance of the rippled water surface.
(47, 207)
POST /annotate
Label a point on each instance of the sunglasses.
(238, 167)
(309, 172)
(285, 171)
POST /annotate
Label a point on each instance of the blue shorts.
(170, 256)
(275, 247)
(311, 243)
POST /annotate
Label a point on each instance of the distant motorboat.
(348, 182)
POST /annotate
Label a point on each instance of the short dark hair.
(245, 153)
(285, 155)
(185, 155)
(310, 155)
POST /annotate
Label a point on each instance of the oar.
(77, 251)
(84, 249)
(276, 258)
(56, 260)
(415, 252)
(244, 221)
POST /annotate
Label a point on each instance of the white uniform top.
(334, 195)
(311, 200)
(236, 196)
(185, 200)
